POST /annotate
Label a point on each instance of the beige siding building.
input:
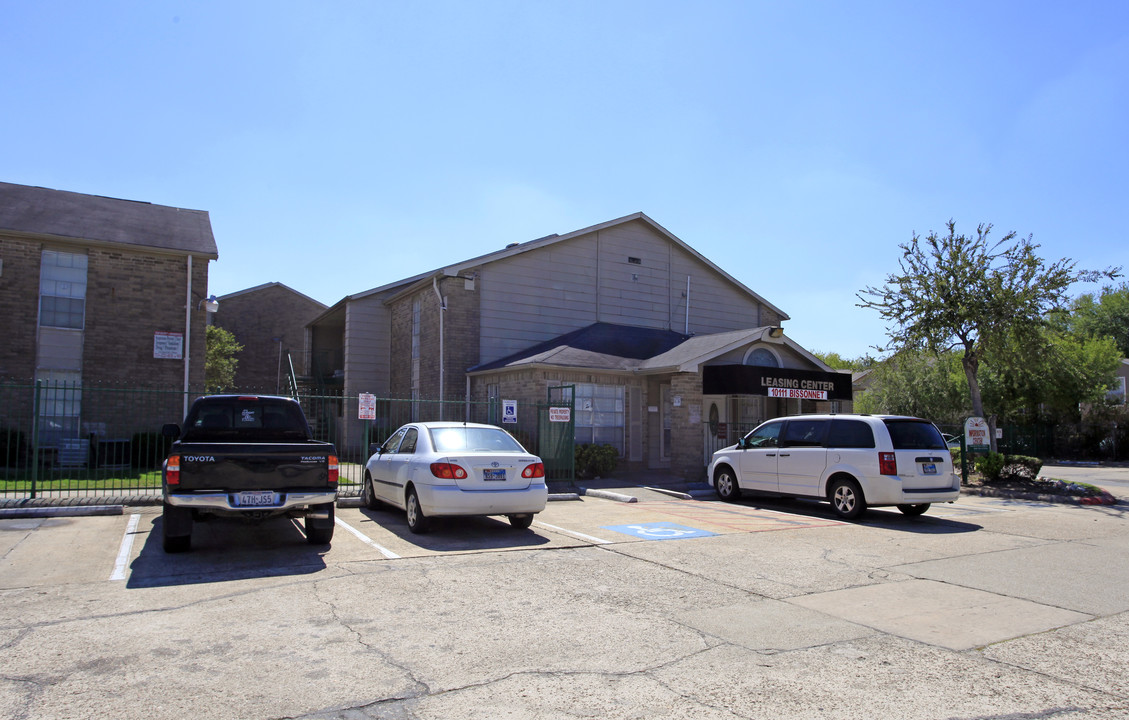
(624, 315)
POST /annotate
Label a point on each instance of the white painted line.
(578, 535)
(367, 540)
(126, 548)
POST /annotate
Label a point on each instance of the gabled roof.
(264, 286)
(605, 346)
(95, 219)
(599, 346)
(413, 284)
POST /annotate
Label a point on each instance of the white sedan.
(448, 468)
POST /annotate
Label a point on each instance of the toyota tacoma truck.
(248, 457)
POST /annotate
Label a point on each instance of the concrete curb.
(609, 495)
(558, 497)
(57, 511)
(672, 493)
(1103, 499)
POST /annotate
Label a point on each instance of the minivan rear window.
(915, 435)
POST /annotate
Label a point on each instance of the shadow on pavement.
(225, 550)
(455, 534)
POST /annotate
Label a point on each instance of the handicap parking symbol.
(660, 531)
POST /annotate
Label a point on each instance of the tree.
(918, 383)
(981, 298)
(1104, 316)
(219, 359)
(837, 362)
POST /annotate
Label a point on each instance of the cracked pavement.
(987, 609)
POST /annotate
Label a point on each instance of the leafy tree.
(1104, 316)
(916, 382)
(219, 359)
(983, 299)
(837, 362)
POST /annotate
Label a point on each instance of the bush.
(990, 465)
(14, 449)
(148, 450)
(595, 460)
(1021, 467)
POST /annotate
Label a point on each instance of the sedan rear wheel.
(417, 521)
(521, 522)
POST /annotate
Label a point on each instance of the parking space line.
(577, 535)
(126, 548)
(367, 540)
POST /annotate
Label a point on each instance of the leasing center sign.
(775, 382)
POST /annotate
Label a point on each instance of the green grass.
(133, 480)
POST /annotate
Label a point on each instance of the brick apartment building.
(665, 354)
(97, 291)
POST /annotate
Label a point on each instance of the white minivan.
(852, 461)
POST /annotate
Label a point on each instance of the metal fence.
(85, 442)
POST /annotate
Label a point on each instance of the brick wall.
(19, 307)
(256, 317)
(687, 459)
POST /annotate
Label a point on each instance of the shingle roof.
(92, 218)
(600, 346)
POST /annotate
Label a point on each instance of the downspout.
(442, 309)
(187, 335)
(466, 412)
(687, 306)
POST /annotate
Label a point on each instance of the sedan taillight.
(887, 463)
(533, 470)
(447, 471)
(172, 470)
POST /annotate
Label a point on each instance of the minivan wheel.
(914, 510)
(726, 485)
(847, 500)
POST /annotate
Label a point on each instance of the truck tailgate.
(237, 466)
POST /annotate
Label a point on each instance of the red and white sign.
(366, 406)
(797, 394)
(560, 414)
(976, 432)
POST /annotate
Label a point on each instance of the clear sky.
(339, 146)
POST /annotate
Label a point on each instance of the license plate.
(491, 474)
(929, 468)
(256, 498)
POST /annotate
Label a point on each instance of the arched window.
(762, 357)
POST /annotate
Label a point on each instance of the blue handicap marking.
(660, 531)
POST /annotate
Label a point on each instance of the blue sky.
(339, 146)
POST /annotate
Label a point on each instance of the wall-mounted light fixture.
(776, 332)
(210, 303)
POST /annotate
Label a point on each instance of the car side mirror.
(374, 448)
(170, 430)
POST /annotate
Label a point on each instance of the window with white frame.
(599, 415)
(62, 289)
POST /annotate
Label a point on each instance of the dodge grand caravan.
(852, 461)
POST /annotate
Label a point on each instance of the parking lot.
(664, 607)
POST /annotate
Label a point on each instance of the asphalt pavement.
(665, 607)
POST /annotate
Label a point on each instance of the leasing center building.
(667, 356)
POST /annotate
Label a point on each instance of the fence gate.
(557, 434)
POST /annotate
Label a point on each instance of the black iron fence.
(61, 440)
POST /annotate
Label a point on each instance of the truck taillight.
(333, 468)
(887, 463)
(447, 471)
(172, 470)
(533, 470)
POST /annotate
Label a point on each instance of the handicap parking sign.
(660, 531)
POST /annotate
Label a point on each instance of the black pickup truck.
(249, 457)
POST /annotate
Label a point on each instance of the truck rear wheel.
(319, 529)
(176, 529)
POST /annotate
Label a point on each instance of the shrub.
(13, 448)
(990, 465)
(595, 460)
(1022, 467)
(148, 450)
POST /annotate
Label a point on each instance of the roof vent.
(512, 245)
(635, 260)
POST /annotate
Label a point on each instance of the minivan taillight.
(887, 463)
(333, 468)
(172, 470)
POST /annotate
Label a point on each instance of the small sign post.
(509, 411)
